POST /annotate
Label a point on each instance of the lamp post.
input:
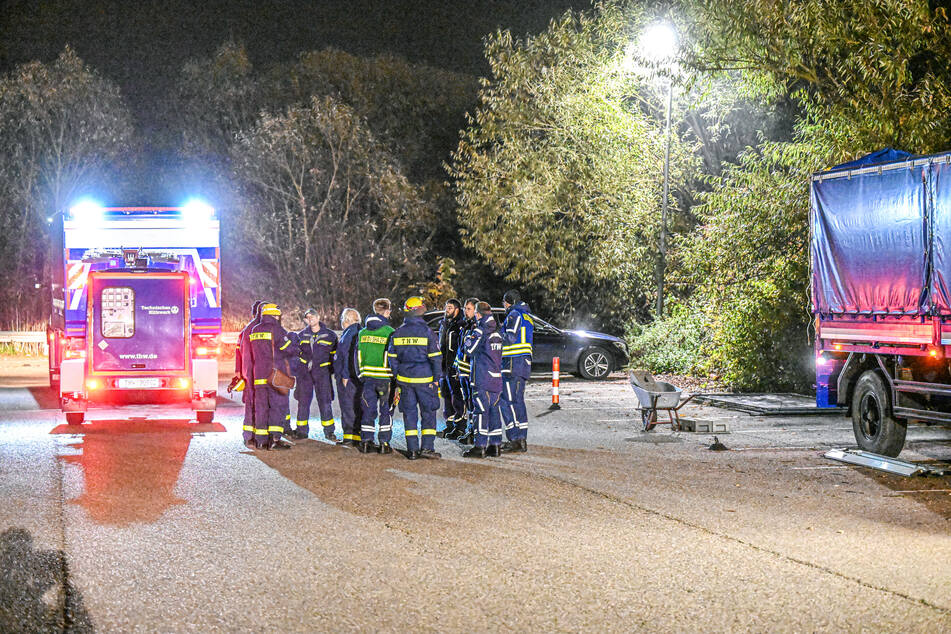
(660, 44)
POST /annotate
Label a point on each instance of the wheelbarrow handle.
(684, 402)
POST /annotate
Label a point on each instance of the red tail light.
(183, 383)
(74, 348)
(93, 384)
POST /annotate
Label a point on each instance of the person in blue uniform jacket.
(271, 347)
(518, 335)
(349, 387)
(484, 346)
(413, 355)
(318, 346)
(242, 369)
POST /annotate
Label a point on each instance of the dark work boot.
(280, 443)
(412, 455)
(475, 452)
(509, 446)
(429, 453)
(385, 447)
(367, 446)
(493, 451)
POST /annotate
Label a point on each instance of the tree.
(750, 262)
(871, 77)
(214, 100)
(859, 81)
(327, 209)
(64, 129)
(412, 113)
(558, 175)
(414, 109)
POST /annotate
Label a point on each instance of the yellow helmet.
(413, 303)
(271, 309)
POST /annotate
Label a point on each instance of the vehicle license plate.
(138, 384)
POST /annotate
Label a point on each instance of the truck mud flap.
(208, 403)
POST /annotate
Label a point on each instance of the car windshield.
(433, 317)
(540, 324)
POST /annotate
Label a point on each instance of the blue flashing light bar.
(89, 212)
(197, 211)
(86, 211)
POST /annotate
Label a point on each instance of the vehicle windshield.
(541, 324)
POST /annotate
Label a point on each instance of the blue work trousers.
(247, 428)
(486, 419)
(376, 398)
(349, 397)
(419, 401)
(514, 414)
(271, 414)
(315, 382)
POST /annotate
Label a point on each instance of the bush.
(673, 345)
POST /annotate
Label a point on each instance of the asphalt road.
(142, 520)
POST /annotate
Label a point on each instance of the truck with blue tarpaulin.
(881, 293)
(136, 307)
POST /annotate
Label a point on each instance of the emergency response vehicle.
(136, 313)
(881, 293)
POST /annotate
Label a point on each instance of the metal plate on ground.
(777, 404)
(884, 463)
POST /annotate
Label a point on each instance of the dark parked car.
(591, 355)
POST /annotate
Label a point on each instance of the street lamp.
(659, 44)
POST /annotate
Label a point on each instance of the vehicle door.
(138, 322)
(549, 342)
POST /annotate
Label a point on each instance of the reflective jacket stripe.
(410, 379)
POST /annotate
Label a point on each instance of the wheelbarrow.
(654, 396)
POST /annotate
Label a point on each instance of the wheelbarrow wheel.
(648, 419)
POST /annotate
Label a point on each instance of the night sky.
(142, 45)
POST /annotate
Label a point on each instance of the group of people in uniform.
(478, 367)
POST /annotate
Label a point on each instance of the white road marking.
(826, 467)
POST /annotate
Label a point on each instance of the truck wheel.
(205, 417)
(75, 418)
(876, 430)
(594, 363)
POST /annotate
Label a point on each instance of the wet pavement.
(142, 519)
